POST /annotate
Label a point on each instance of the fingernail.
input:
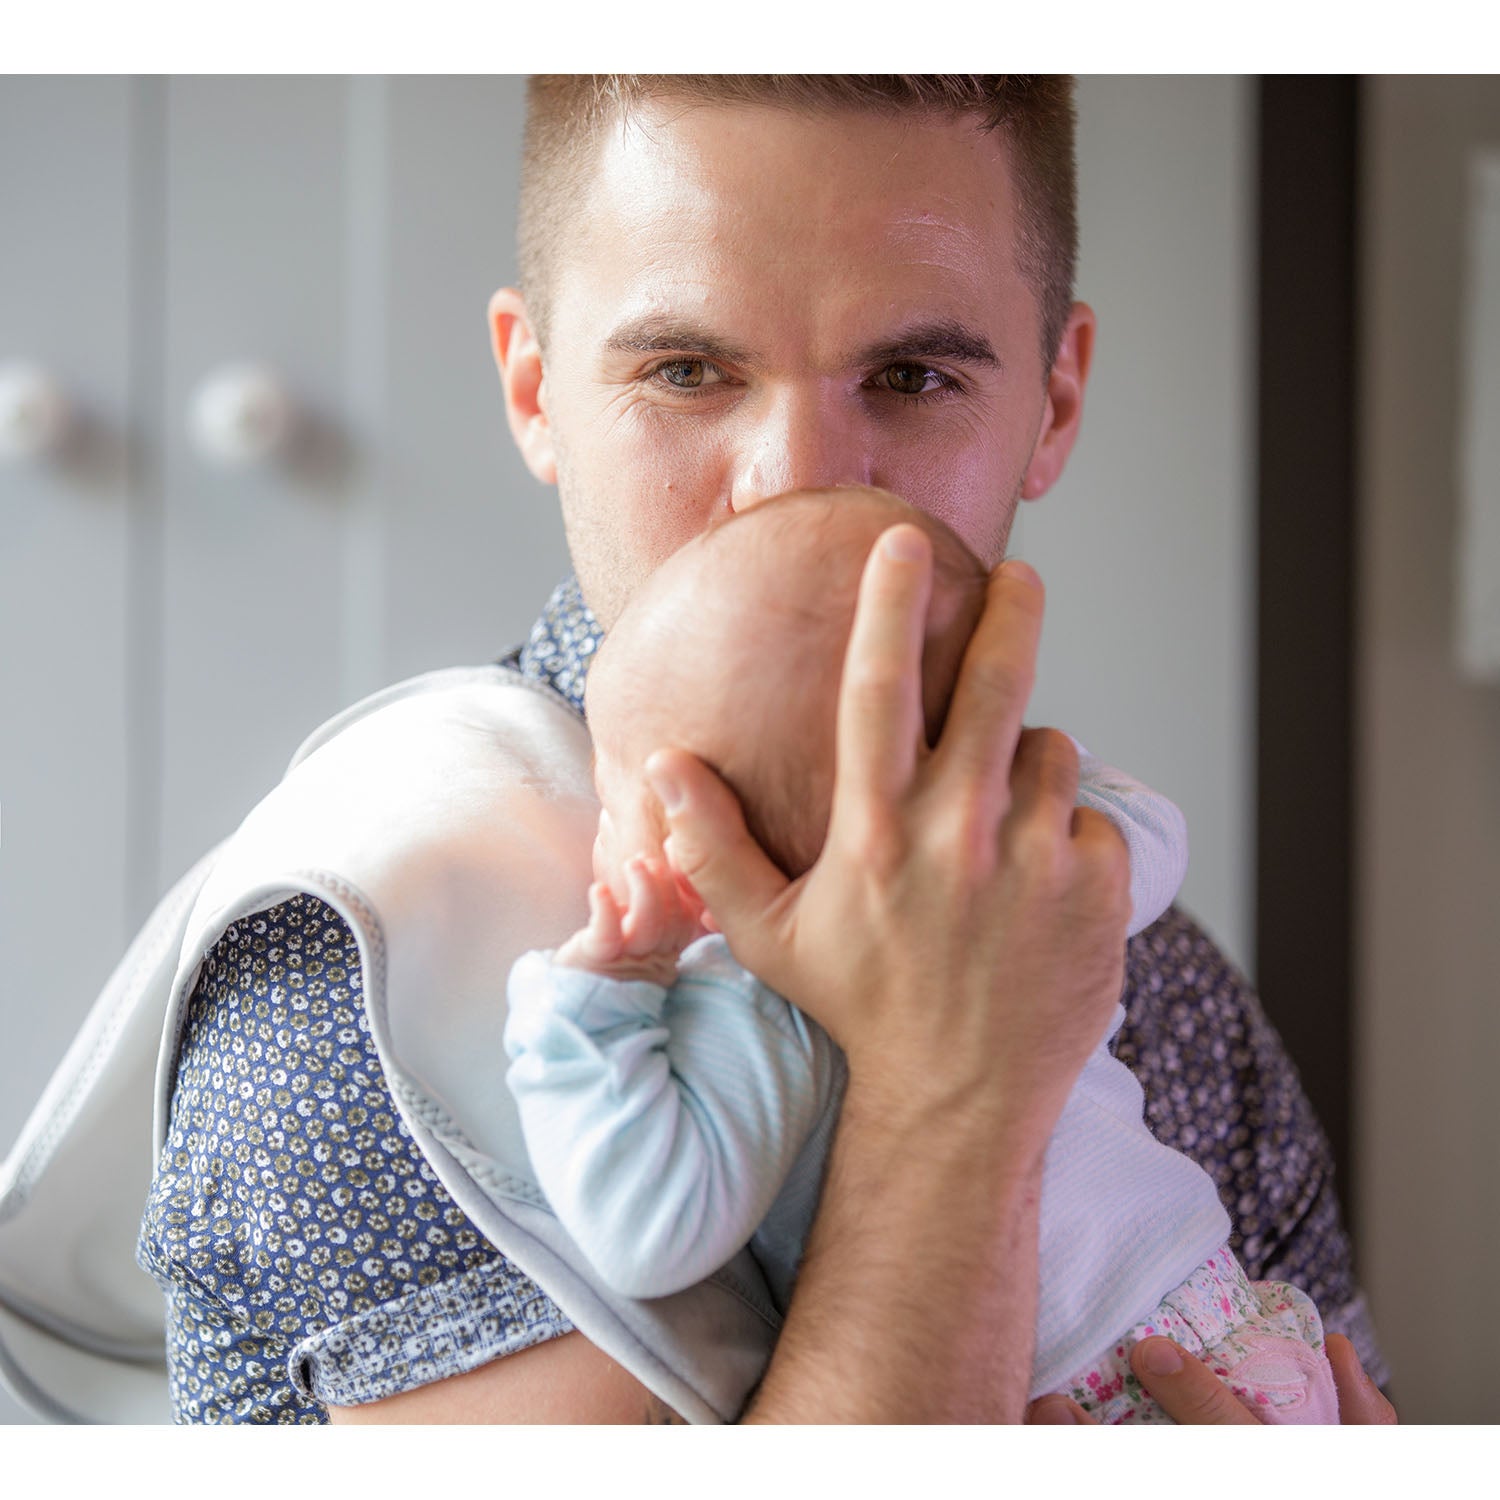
(904, 544)
(1053, 1411)
(1160, 1357)
(667, 788)
(1021, 570)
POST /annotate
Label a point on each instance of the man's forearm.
(916, 1301)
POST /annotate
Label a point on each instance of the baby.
(675, 1109)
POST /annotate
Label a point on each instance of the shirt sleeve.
(308, 1253)
(1154, 830)
(661, 1124)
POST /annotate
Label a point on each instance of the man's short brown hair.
(565, 114)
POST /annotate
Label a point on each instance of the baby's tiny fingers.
(642, 926)
(605, 939)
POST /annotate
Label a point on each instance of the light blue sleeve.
(661, 1124)
(1154, 830)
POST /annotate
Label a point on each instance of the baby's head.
(733, 650)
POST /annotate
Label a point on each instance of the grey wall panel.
(1146, 543)
(347, 233)
(475, 543)
(1428, 812)
(64, 300)
(254, 568)
(65, 271)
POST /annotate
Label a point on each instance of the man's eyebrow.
(655, 334)
(943, 339)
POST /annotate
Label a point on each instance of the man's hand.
(1192, 1395)
(646, 938)
(962, 937)
(962, 934)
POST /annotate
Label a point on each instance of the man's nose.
(800, 443)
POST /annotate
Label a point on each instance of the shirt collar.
(562, 643)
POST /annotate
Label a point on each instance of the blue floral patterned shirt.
(310, 1257)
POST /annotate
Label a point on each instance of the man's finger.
(1361, 1403)
(1057, 1411)
(1186, 1389)
(711, 848)
(880, 694)
(1044, 776)
(983, 726)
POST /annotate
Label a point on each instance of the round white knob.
(33, 412)
(241, 414)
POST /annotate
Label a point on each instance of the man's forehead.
(742, 235)
(922, 174)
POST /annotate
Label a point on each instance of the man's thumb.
(710, 846)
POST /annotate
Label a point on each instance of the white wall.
(1428, 949)
(1146, 545)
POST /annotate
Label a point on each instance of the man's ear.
(1063, 411)
(518, 357)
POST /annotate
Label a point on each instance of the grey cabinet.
(169, 628)
(69, 628)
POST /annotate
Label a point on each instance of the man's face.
(756, 300)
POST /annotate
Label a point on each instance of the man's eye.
(689, 374)
(910, 380)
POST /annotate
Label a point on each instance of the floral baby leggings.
(1263, 1339)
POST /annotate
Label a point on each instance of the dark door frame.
(1307, 516)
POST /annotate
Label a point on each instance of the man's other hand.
(1193, 1396)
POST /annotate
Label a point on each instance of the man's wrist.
(1000, 1131)
(981, 1170)
(916, 1300)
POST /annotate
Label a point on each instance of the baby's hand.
(644, 940)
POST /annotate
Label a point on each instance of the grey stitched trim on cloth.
(446, 1329)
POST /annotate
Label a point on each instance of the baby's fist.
(643, 939)
(598, 943)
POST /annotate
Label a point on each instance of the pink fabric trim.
(1264, 1339)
